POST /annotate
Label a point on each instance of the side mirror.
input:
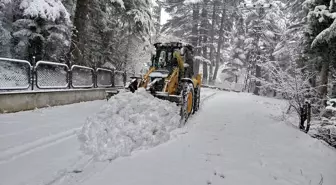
(147, 64)
(182, 51)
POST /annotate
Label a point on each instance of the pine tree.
(320, 36)
(224, 36)
(5, 27)
(238, 55)
(212, 39)
(264, 28)
(156, 12)
(180, 24)
(41, 29)
(104, 31)
(204, 31)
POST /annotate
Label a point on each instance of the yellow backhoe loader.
(171, 77)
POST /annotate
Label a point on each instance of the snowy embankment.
(129, 121)
(323, 129)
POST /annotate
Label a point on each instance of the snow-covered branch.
(290, 82)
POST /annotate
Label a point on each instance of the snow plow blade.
(171, 98)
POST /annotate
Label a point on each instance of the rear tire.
(197, 99)
(187, 102)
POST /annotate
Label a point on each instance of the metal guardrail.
(82, 77)
(23, 75)
(15, 74)
(104, 77)
(51, 75)
(119, 79)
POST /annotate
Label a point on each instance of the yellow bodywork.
(180, 62)
(171, 82)
(197, 81)
(145, 79)
(190, 102)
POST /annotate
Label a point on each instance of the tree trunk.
(204, 32)
(220, 41)
(258, 74)
(257, 66)
(324, 79)
(212, 35)
(194, 34)
(205, 73)
(79, 37)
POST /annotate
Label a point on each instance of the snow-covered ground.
(36, 145)
(234, 139)
(40, 146)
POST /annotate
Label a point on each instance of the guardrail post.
(125, 77)
(94, 75)
(113, 78)
(70, 77)
(33, 73)
(69, 74)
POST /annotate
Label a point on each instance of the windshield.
(162, 59)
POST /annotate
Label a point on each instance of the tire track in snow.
(35, 128)
(70, 177)
(208, 97)
(27, 148)
(76, 167)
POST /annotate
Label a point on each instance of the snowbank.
(126, 123)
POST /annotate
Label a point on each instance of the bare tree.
(291, 83)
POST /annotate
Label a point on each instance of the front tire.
(197, 99)
(187, 102)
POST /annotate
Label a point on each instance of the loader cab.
(163, 57)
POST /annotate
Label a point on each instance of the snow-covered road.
(40, 146)
(34, 145)
(234, 139)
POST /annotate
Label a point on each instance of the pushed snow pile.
(128, 122)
